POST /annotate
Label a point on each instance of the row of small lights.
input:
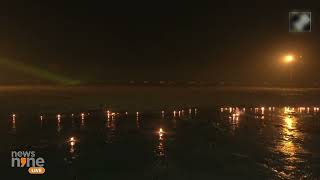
(235, 112)
(109, 113)
(73, 140)
(161, 132)
(231, 109)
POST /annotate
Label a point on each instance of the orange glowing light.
(288, 110)
(161, 130)
(289, 58)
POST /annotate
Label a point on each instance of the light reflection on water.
(111, 128)
(83, 123)
(160, 150)
(72, 150)
(276, 135)
(41, 121)
(137, 120)
(289, 144)
(13, 124)
(58, 123)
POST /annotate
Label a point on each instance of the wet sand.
(230, 132)
(222, 143)
(146, 98)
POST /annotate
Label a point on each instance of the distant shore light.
(289, 58)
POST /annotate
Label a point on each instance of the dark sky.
(156, 40)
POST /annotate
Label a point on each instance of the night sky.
(155, 40)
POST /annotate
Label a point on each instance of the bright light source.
(289, 58)
(160, 130)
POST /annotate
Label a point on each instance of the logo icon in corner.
(28, 159)
(299, 21)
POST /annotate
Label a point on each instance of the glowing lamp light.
(161, 130)
(72, 139)
(288, 110)
(237, 114)
(289, 58)
(13, 115)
